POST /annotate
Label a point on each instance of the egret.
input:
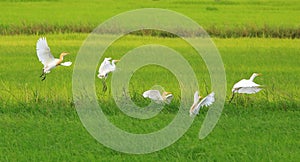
(206, 101)
(246, 86)
(105, 68)
(47, 59)
(157, 97)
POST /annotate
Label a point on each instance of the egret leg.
(42, 73)
(104, 89)
(232, 96)
(43, 77)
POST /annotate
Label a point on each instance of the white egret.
(105, 68)
(157, 97)
(47, 59)
(206, 101)
(246, 86)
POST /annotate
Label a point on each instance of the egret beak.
(259, 74)
(200, 97)
(65, 53)
(168, 93)
(117, 60)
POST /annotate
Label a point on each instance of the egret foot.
(43, 77)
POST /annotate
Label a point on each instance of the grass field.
(39, 122)
(225, 18)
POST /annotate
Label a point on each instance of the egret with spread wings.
(157, 97)
(105, 68)
(246, 86)
(206, 101)
(47, 59)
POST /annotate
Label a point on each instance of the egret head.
(64, 54)
(256, 74)
(166, 93)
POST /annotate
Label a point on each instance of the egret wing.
(196, 97)
(105, 67)
(244, 84)
(208, 100)
(107, 58)
(153, 94)
(249, 83)
(239, 84)
(194, 106)
(43, 51)
(249, 90)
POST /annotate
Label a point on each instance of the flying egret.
(246, 86)
(157, 97)
(206, 101)
(105, 68)
(47, 59)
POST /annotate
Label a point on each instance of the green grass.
(38, 120)
(241, 135)
(223, 18)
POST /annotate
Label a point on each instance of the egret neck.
(61, 58)
(253, 76)
(164, 95)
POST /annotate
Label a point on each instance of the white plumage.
(247, 85)
(47, 59)
(68, 63)
(206, 101)
(43, 52)
(106, 67)
(157, 97)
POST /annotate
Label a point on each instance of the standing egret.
(105, 68)
(47, 59)
(246, 86)
(206, 101)
(157, 97)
